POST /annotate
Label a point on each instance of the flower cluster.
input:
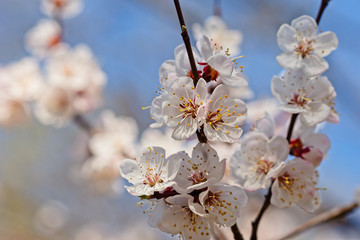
(60, 81)
(185, 192)
(188, 108)
(261, 161)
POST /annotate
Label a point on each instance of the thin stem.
(201, 135)
(291, 126)
(236, 232)
(186, 39)
(256, 222)
(329, 215)
(83, 124)
(323, 5)
(217, 8)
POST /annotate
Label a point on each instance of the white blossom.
(20, 83)
(222, 116)
(210, 65)
(54, 106)
(222, 202)
(180, 110)
(221, 37)
(303, 47)
(62, 8)
(310, 97)
(257, 160)
(199, 171)
(44, 38)
(152, 172)
(178, 218)
(295, 183)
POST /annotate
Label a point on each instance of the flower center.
(297, 148)
(209, 74)
(305, 47)
(299, 99)
(54, 41)
(286, 181)
(188, 107)
(263, 166)
(152, 179)
(214, 118)
(198, 177)
(59, 3)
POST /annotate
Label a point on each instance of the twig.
(332, 214)
(236, 232)
(323, 5)
(291, 126)
(186, 39)
(83, 124)
(256, 222)
(217, 8)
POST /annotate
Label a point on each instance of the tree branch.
(186, 39)
(323, 5)
(256, 222)
(236, 232)
(332, 214)
(291, 126)
(83, 124)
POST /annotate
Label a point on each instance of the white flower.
(222, 203)
(211, 66)
(222, 116)
(43, 38)
(296, 184)
(304, 48)
(179, 218)
(62, 8)
(23, 79)
(307, 145)
(13, 112)
(219, 67)
(311, 97)
(222, 38)
(199, 171)
(181, 108)
(20, 83)
(153, 172)
(257, 160)
(77, 70)
(54, 107)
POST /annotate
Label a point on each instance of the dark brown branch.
(186, 39)
(291, 126)
(83, 124)
(217, 8)
(323, 5)
(256, 222)
(236, 232)
(332, 214)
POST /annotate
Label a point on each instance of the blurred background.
(41, 196)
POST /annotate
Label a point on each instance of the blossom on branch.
(222, 38)
(62, 8)
(259, 157)
(295, 183)
(44, 38)
(310, 97)
(151, 173)
(303, 48)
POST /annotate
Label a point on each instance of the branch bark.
(327, 216)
